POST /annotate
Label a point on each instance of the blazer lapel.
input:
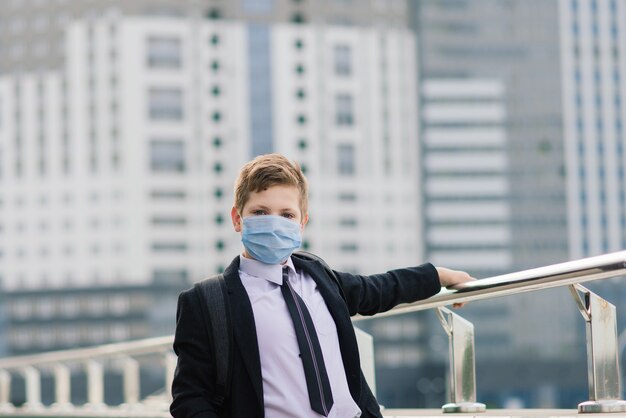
(339, 311)
(244, 329)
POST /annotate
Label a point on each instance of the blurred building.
(516, 43)
(593, 37)
(32, 33)
(466, 183)
(593, 53)
(123, 135)
(493, 176)
(63, 318)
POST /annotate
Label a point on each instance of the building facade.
(117, 168)
(512, 205)
(593, 37)
(467, 192)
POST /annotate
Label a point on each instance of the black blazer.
(193, 386)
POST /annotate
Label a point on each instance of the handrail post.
(33, 388)
(602, 353)
(62, 387)
(95, 385)
(462, 363)
(170, 367)
(131, 382)
(5, 392)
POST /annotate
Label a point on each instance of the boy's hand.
(449, 278)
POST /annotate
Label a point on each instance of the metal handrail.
(556, 275)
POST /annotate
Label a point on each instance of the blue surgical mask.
(270, 239)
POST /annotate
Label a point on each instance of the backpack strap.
(312, 257)
(214, 298)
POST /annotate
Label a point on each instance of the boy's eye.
(289, 215)
(258, 212)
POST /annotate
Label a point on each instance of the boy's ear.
(236, 218)
(305, 220)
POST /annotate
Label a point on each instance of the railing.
(124, 357)
(599, 315)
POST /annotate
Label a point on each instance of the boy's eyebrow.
(259, 206)
(263, 207)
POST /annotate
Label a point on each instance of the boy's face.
(276, 200)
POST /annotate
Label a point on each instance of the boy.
(295, 353)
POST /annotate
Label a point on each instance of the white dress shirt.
(284, 386)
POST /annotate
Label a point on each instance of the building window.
(169, 247)
(300, 69)
(119, 332)
(215, 66)
(166, 104)
(119, 304)
(343, 110)
(167, 156)
(348, 222)
(298, 18)
(347, 197)
(349, 247)
(301, 119)
(169, 221)
(258, 7)
(168, 195)
(345, 159)
(299, 44)
(215, 39)
(164, 52)
(21, 309)
(214, 14)
(343, 60)
(169, 276)
(95, 305)
(217, 142)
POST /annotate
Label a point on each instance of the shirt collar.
(270, 272)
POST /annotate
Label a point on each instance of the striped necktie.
(320, 394)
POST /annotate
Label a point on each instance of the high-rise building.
(117, 166)
(467, 195)
(32, 32)
(593, 52)
(493, 179)
(516, 43)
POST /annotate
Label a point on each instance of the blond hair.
(266, 171)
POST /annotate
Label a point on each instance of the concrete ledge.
(387, 413)
(499, 413)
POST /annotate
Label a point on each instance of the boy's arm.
(369, 295)
(194, 377)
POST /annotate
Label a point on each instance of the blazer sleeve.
(193, 385)
(369, 295)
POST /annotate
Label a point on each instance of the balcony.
(125, 360)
